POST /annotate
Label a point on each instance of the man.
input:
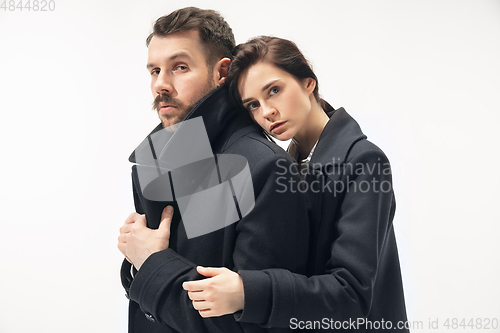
(188, 58)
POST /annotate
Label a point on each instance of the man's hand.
(137, 242)
(222, 293)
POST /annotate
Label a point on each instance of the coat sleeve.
(274, 234)
(362, 225)
(127, 268)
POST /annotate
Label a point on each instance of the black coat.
(353, 266)
(273, 234)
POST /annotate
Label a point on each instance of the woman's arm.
(358, 274)
(360, 279)
(222, 293)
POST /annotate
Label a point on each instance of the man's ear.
(220, 70)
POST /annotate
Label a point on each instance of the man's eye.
(155, 72)
(180, 67)
(274, 91)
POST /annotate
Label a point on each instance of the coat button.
(150, 317)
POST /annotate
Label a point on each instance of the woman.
(353, 269)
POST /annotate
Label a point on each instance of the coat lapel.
(339, 135)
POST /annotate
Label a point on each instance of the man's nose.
(163, 84)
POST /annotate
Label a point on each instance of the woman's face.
(276, 100)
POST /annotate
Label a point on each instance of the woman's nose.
(269, 112)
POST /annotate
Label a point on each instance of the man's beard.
(182, 111)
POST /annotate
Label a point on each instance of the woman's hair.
(279, 52)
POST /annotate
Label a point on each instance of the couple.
(326, 259)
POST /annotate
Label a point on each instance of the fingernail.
(170, 209)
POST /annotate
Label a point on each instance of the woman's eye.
(274, 91)
(252, 106)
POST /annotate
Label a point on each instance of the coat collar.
(339, 135)
(216, 110)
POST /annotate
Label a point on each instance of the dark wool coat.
(274, 234)
(353, 264)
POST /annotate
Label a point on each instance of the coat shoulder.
(366, 150)
(257, 148)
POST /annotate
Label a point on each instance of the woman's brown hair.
(280, 52)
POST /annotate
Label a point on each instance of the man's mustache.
(164, 98)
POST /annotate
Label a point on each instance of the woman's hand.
(220, 294)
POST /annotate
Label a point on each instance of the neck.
(309, 133)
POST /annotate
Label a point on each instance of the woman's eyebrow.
(263, 89)
(269, 84)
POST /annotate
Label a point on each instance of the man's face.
(180, 77)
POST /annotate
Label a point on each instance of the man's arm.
(273, 234)
(126, 271)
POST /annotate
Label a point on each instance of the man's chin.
(168, 121)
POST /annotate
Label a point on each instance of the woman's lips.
(276, 127)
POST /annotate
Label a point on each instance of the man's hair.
(215, 34)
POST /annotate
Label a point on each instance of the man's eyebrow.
(263, 89)
(181, 54)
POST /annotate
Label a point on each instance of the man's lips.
(276, 126)
(166, 108)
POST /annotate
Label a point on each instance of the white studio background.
(420, 76)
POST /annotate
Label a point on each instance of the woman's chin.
(285, 136)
